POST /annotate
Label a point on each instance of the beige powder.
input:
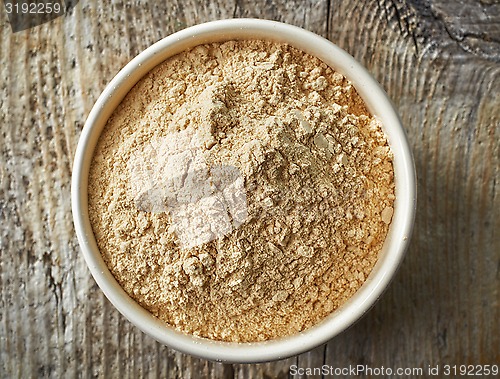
(241, 191)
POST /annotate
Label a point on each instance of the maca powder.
(241, 191)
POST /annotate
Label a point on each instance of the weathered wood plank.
(439, 62)
(444, 303)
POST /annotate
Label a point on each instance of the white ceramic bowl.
(376, 101)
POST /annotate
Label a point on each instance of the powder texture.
(241, 191)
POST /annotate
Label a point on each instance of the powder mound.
(241, 191)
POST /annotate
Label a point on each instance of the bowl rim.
(377, 102)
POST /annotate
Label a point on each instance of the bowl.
(376, 101)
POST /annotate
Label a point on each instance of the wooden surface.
(438, 60)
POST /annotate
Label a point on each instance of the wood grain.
(438, 60)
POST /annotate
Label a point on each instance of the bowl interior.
(376, 101)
